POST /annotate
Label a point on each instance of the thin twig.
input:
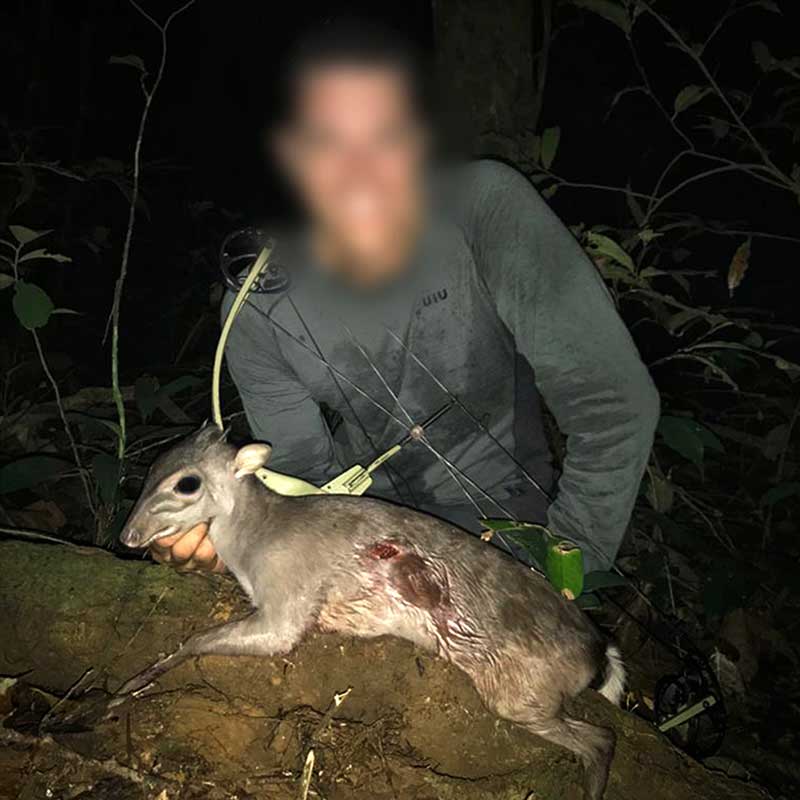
(24, 533)
(67, 429)
(722, 538)
(327, 717)
(734, 8)
(653, 96)
(307, 775)
(114, 318)
(598, 186)
(138, 630)
(82, 680)
(54, 168)
(753, 234)
(109, 765)
(693, 179)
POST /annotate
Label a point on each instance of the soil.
(407, 726)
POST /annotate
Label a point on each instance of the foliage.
(719, 500)
(87, 431)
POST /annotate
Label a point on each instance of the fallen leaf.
(740, 638)
(728, 675)
(43, 515)
(739, 265)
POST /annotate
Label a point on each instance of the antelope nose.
(130, 536)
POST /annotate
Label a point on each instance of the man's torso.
(444, 315)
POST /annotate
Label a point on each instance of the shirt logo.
(434, 297)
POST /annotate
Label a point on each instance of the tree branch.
(678, 39)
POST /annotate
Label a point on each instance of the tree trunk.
(485, 66)
(411, 726)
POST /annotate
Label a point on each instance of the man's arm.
(585, 363)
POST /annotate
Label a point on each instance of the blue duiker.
(366, 567)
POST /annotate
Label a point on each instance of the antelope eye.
(188, 484)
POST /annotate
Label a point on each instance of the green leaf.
(32, 305)
(789, 65)
(710, 439)
(150, 395)
(106, 471)
(688, 96)
(130, 61)
(24, 235)
(536, 149)
(775, 442)
(6, 280)
(660, 491)
(688, 437)
(780, 492)
(179, 385)
(611, 11)
(589, 602)
(564, 568)
(29, 471)
(762, 56)
(601, 579)
(649, 235)
(792, 369)
(634, 207)
(532, 538)
(603, 246)
(145, 391)
(44, 253)
(550, 139)
(720, 128)
(82, 418)
(684, 317)
(729, 585)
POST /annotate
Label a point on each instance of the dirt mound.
(407, 726)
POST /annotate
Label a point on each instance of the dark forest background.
(666, 134)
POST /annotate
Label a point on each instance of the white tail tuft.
(614, 676)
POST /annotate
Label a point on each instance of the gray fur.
(367, 568)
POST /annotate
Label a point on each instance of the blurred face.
(355, 152)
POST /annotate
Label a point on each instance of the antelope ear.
(250, 458)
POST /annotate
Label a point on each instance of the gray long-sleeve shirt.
(501, 303)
